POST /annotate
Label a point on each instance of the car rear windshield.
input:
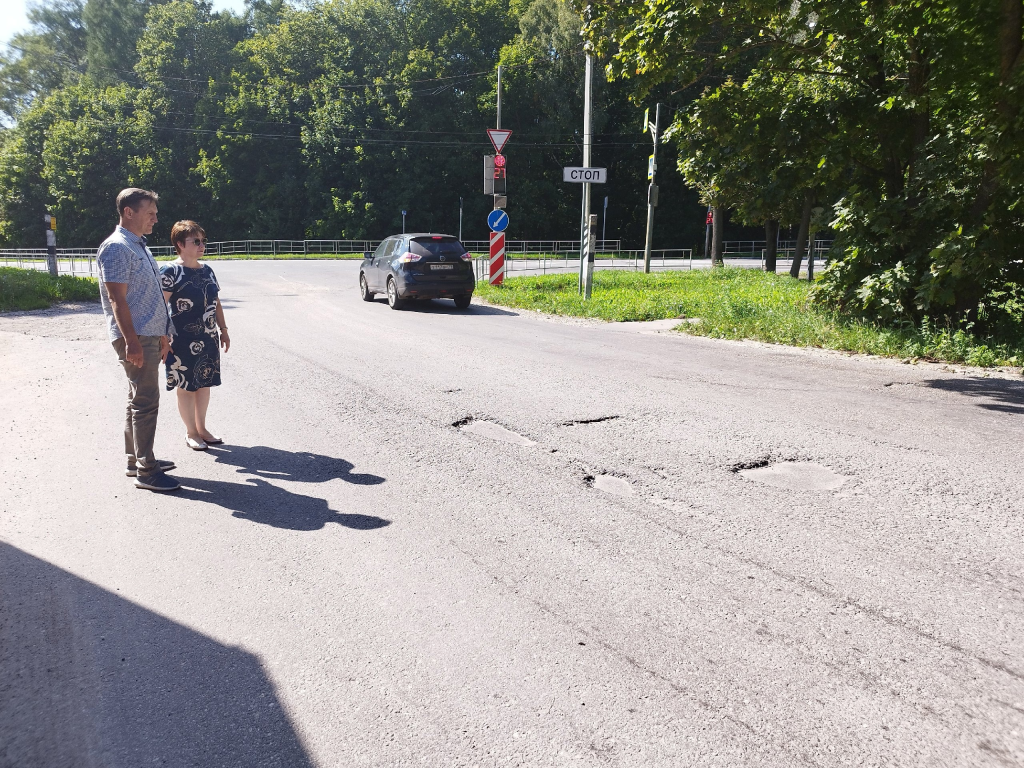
(445, 246)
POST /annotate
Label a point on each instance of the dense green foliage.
(22, 289)
(736, 303)
(900, 119)
(320, 121)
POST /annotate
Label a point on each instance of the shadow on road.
(260, 502)
(90, 679)
(447, 307)
(1001, 394)
(299, 466)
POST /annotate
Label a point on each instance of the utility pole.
(707, 234)
(51, 243)
(498, 125)
(403, 221)
(460, 219)
(588, 109)
(652, 188)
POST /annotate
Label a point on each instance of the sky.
(13, 19)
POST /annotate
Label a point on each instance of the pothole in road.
(492, 431)
(795, 476)
(596, 420)
(610, 484)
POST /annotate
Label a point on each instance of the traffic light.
(494, 174)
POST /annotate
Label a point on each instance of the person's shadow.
(259, 501)
(299, 466)
(262, 502)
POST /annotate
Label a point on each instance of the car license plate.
(442, 266)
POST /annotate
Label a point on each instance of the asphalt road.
(489, 538)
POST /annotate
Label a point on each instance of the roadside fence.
(522, 256)
(569, 261)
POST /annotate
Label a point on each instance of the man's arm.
(118, 295)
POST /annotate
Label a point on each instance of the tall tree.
(50, 55)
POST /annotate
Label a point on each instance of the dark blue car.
(418, 266)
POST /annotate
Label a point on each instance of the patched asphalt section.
(494, 431)
(796, 476)
(613, 485)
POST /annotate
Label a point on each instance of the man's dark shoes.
(164, 465)
(157, 481)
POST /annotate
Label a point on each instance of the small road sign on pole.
(497, 264)
(499, 138)
(497, 221)
(585, 175)
(51, 243)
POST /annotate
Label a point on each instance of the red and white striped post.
(497, 263)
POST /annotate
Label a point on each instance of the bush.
(23, 289)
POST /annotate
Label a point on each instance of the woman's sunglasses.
(197, 241)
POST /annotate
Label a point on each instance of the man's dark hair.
(131, 197)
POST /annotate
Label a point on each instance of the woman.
(193, 365)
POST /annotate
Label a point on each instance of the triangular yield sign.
(498, 138)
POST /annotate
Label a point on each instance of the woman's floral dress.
(194, 360)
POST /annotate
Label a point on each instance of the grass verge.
(736, 303)
(22, 289)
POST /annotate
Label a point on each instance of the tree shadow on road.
(299, 466)
(88, 678)
(994, 394)
(260, 502)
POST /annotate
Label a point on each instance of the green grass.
(735, 303)
(22, 289)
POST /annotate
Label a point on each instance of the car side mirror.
(367, 255)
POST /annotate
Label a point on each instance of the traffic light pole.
(652, 189)
(51, 244)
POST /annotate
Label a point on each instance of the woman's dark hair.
(182, 230)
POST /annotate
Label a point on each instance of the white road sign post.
(585, 175)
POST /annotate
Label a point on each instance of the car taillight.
(467, 257)
(408, 257)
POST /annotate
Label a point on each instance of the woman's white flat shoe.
(195, 445)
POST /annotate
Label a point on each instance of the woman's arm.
(225, 340)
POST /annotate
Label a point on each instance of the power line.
(357, 140)
(208, 81)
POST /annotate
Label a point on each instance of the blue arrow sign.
(497, 221)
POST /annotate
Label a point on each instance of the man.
(140, 330)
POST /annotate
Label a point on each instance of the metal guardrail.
(568, 261)
(661, 260)
(80, 262)
(312, 247)
(756, 246)
(23, 256)
(541, 256)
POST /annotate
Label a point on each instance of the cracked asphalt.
(491, 538)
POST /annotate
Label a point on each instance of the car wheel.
(394, 301)
(463, 302)
(364, 289)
